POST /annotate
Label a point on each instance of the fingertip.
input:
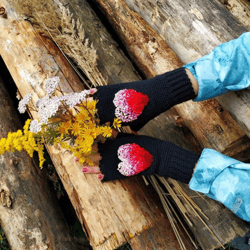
(100, 176)
(92, 91)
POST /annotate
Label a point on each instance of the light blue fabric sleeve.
(223, 179)
(226, 68)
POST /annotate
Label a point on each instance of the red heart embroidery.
(129, 104)
(135, 159)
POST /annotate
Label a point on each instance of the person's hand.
(130, 155)
(96, 157)
(136, 103)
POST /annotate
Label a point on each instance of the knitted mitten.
(226, 68)
(130, 155)
(136, 103)
(223, 179)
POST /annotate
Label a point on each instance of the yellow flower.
(26, 126)
(76, 128)
(62, 130)
(89, 162)
(57, 140)
(40, 155)
(82, 115)
(64, 127)
(91, 132)
(91, 104)
(106, 131)
(64, 145)
(91, 125)
(84, 148)
(82, 160)
(117, 123)
(98, 131)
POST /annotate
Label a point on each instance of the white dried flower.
(18, 96)
(47, 107)
(73, 99)
(51, 84)
(22, 104)
(35, 126)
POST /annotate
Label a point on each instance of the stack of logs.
(159, 36)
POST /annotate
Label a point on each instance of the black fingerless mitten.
(129, 155)
(136, 103)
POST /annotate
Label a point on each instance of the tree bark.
(153, 56)
(240, 9)
(29, 214)
(204, 27)
(112, 213)
(210, 124)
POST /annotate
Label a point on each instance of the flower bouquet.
(69, 120)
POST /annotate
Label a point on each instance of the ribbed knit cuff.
(169, 160)
(181, 165)
(180, 86)
(164, 91)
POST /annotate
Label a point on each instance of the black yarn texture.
(169, 160)
(164, 91)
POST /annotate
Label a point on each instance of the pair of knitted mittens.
(226, 68)
(135, 104)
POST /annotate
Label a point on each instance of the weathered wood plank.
(115, 67)
(156, 235)
(240, 9)
(112, 213)
(210, 124)
(192, 29)
(153, 56)
(29, 214)
(224, 224)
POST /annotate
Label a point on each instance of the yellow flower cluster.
(84, 129)
(23, 140)
(76, 130)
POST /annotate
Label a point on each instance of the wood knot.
(15, 161)
(3, 12)
(5, 198)
(179, 121)
(224, 1)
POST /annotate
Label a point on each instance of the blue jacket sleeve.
(226, 68)
(223, 179)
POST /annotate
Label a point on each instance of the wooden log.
(240, 9)
(220, 217)
(204, 27)
(219, 132)
(153, 56)
(29, 213)
(108, 52)
(112, 213)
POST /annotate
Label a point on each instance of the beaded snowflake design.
(129, 104)
(134, 159)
